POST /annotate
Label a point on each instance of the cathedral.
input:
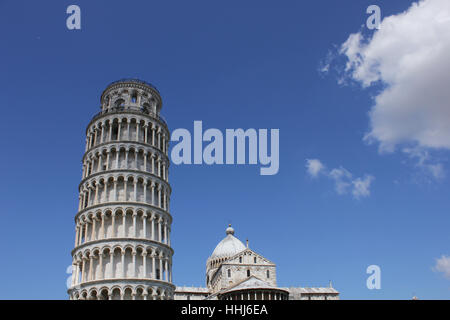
(236, 272)
(122, 247)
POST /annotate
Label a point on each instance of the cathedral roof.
(253, 283)
(229, 246)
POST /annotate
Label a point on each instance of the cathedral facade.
(236, 272)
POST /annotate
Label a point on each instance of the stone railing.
(125, 109)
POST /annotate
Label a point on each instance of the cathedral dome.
(229, 246)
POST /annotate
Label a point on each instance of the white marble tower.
(122, 243)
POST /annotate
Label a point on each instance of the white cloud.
(408, 56)
(443, 265)
(343, 179)
(314, 167)
(426, 162)
(361, 187)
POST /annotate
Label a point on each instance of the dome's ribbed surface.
(228, 247)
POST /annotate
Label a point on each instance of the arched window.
(145, 108)
(134, 97)
(240, 259)
(248, 273)
(120, 103)
(229, 273)
(268, 274)
(254, 259)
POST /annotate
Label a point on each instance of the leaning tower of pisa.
(122, 242)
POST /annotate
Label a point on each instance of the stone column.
(153, 275)
(111, 260)
(113, 219)
(90, 139)
(107, 159)
(144, 264)
(163, 199)
(159, 197)
(152, 198)
(134, 224)
(101, 132)
(118, 130)
(79, 202)
(77, 229)
(75, 271)
(96, 194)
(117, 158)
(153, 135)
(95, 136)
(105, 190)
(99, 166)
(153, 163)
(145, 191)
(137, 131)
(91, 264)
(102, 228)
(115, 188)
(168, 201)
(86, 230)
(82, 200)
(166, 270)
(144, 225)
(88, 196)
(123, 263)
(153, 218)
(125, 184)
(82, 268)
(124, 224)
(159, 230)
(93, 229)
(159, 167)
(136, 164)
(133, 262)
(80, 238)
(100, 262)
(168, 235)
(145, 160)
(145, 133)
(110, 131)
(159, 138)
(165, 232)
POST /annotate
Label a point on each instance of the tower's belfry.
(122, 243)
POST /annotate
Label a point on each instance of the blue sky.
(232, 65)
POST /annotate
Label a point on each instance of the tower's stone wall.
(122, 242)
